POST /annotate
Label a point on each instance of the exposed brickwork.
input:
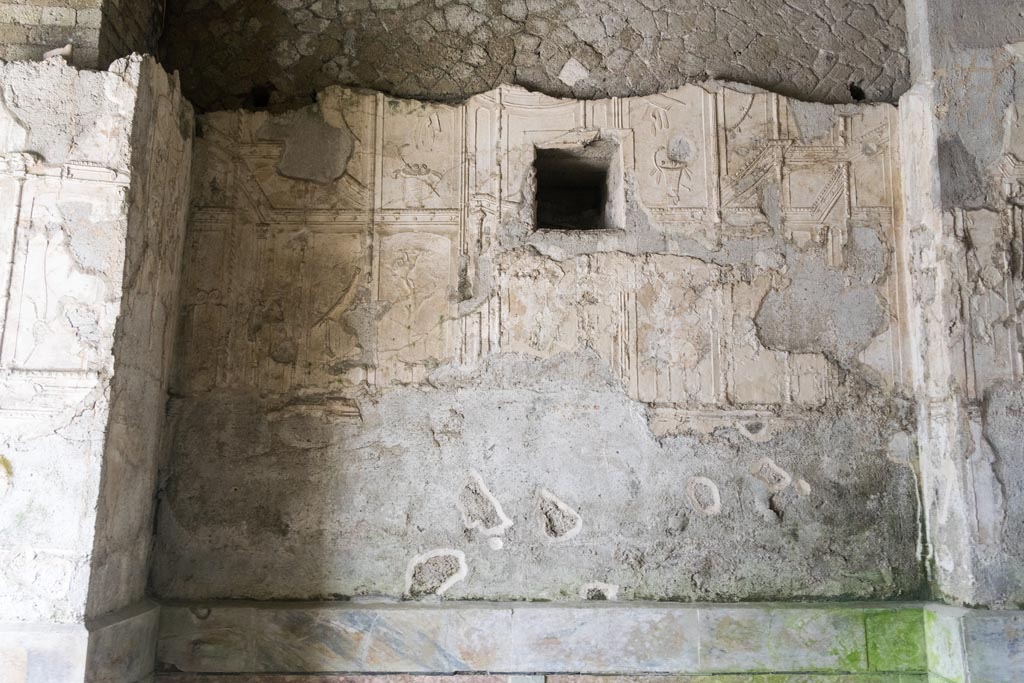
(28, 28)
(100, 30)
(130, 26)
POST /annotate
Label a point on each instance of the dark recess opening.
(572, 187)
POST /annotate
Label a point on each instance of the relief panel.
(67, 261)
(421, 156)
(676, 155)
(677, 331)
(415, 276)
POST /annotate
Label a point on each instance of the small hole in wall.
(857, 93)
(573, 187)
(259, 96)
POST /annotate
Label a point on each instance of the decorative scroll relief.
(676, 308)
(662, 323)
(274, 265)
(61, 263)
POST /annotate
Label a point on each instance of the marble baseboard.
(117, 648)
(606, 638)
(122, 645)
(867, 643)
(43, 653)
(469, 678)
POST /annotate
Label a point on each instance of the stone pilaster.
(94, 170)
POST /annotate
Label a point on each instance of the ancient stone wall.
(94, 175)
(29, 28)
(99, 31)
(964, 253)
(234, 53)
(394, 381)
(130, 26)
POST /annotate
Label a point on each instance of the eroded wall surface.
(964, 250)
(451, 49)
(391, 383)
(93, 176)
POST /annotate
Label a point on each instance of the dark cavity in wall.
(573, 187)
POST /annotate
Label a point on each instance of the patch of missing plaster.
(758, 431)
(434, 572)
(6, 476)
(446, 427)
(559, 522)
(480, 509)
(94, 245)
(597, 590)
(962, 178)
(314, 150)
(824, 310)
(703, 495)
(900, 448)
(771, 474)
(813, 121)
(13, 133)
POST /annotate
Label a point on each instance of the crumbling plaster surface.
(391, 384)
(161, 143)
(964, 254)
(94, 171)
(813, 49)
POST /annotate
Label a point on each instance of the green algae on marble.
(896, 641)
(945, 646)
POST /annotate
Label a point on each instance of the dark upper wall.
(100, 31)
(233, 53)
(29, 28)
(130, 26)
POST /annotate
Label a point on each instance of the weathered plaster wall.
(94, 172)
(391, 383)
(964, 253)
(814, 49)
(161, 143)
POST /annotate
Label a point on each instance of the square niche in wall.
(579, 187)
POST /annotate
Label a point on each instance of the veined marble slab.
(738, 643)
(469, 678)
(602, 638)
